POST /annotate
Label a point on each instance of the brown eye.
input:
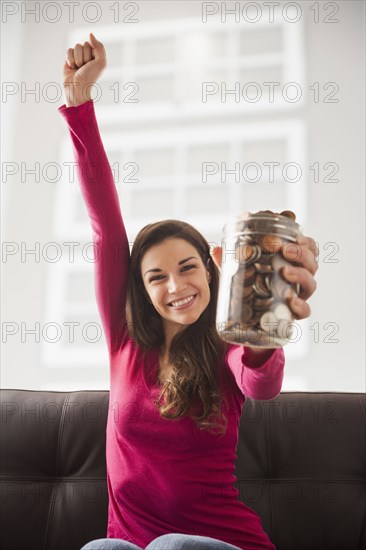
(155, 278)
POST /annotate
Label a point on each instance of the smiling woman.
(170, 263)
(164, 457)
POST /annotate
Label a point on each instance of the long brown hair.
(197, 353)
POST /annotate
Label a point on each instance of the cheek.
(155, 296)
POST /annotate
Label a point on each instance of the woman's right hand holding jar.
(302, 273)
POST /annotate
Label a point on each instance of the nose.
(175, 284)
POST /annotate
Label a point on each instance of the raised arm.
(111, 249)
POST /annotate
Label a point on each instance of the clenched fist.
(84, 65)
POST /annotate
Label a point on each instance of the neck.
(163, 355)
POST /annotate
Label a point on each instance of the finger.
(70, 58)
(87, 52)
(300, 275)
(79, 55)
(310, 243)
(307, 259)
(299, 308)
(300, 255)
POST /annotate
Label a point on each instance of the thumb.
(217, 256)
(97, 47)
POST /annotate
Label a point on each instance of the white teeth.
(185, 301)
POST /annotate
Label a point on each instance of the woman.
(176, 389)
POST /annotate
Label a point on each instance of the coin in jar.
(263, 303)
(281, 289)
(278, 261)
(268, 321)
(270, 243)
(285, 328)
(240, 291)
(260, 286)
(243, 252)
(246, 313)
(245, 275)
(288, 214)
(263, 268)
(264, 258)
(282, 312)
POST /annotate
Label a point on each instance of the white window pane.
(115, 54)
(80, 286)
(152, 203)
(199, 47)
(109, 92)
(88, 332)
(208, 199)
(260, 41)
(260, 75)
(265, 151)
(155, 162)
(215, 153)
(204, 85)
(218, 44)
(156, 88)
(155, 50)
(263, 196)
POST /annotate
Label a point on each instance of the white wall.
(333, 52)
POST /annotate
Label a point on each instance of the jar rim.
(246, 215)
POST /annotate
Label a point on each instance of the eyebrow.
(156, 269)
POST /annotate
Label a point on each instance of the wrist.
(256, 357)
(77, 102)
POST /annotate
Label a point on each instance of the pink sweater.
(164, 476)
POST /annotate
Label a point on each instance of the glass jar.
(252, 306)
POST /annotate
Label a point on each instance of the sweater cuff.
(78, 110)
(252, 361)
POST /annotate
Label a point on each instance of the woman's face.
(173, 271)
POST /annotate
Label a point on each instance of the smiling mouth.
(183, 302)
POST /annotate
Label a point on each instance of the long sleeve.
(264, 382)
(111, 248)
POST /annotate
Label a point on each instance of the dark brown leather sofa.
(301, 466)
